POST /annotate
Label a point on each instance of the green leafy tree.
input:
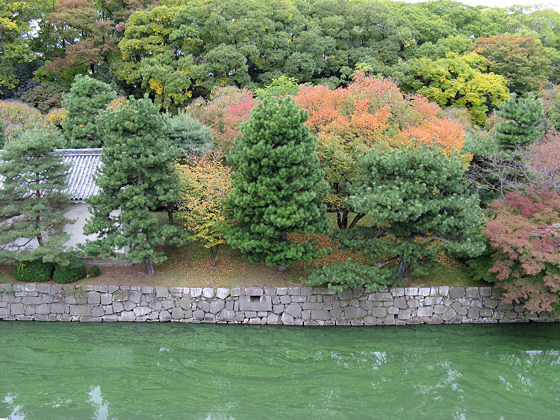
(278, 187)
(523, 122)
(420, 206)
(86, 99)
(189, 135)
(32, 204)
(137, 178)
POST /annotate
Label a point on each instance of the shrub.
(35, 271)
(17, 115)
(44, 97)
(525, 238)
(93, 271)
(71, 272)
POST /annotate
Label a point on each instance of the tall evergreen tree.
(524, 122)
(278, 186)
(32, 204)
(86, 99)
(137, 178)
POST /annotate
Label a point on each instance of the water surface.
(143, 371)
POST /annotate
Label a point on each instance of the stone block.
(147, 290)
(346, 294)
(226, 315)
(425, 311)
(176, 291)
(294, 291)
(94, 298)
(456, 292)
(413, 303)
(167, 304)
(490, 302)
(319, 315)
(250, 303)
(285, 299)
(112, 289)
(397, 291)
(400, 303)
(204, 305)
(177, 313)
(16, 309)
(448, 315)
(196, 292)
(433, 300)
(198, 315)
(473, 313)
(164, 316)
(353, 312)
(485, 291)
(306, 291)
(281, 291)
(298, 299)
(108, 309)
(473, 292)
(424, 291)
(411, 291)
(405, 314)
(57, 308)
(236, 291)
(379, 312)
(216, 306)
(106, 299)
(97, 311)
(141, 311)
(118, 307)
(391, 310)
(435, 320)
(306, 315)
(32, 300)
(269, 290)
(185, 303)
(273, 319)
(43, 309)
(80, 310)
(222, 293)
(443, 291)
(208, 292)
(287, 319)
(366, 305)
(162, 292)
(29, 287)
(293, 310)
(129, 306)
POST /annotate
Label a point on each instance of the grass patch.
(452, 273)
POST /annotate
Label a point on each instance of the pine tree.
(524, 122)
(419, 205)
(137, 178)
(278, 186)
(86, 99)
(32, 205)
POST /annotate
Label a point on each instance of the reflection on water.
(121, 371)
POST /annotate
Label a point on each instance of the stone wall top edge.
(467, 291)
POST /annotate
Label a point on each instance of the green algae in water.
(144, 371)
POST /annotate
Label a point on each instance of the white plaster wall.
(80, 213)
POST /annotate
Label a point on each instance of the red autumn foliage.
(224, 112)
(544, 162)
(525, 238)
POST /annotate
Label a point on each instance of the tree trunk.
(356, 219)
(342, 219)
(282, 268)
(403, 269)
(170, 216)
(213, 253)
(149, 266)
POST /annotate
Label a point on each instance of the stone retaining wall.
(267, 305)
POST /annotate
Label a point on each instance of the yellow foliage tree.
(206, 183)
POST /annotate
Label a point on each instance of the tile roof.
(83, 165)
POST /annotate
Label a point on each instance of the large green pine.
(419, 204)
(32, 202)
(86, 99)
(523, 122)
(137, 178)
(278, 186)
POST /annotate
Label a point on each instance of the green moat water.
(144, 371)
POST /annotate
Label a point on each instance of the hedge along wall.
(267, 305)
